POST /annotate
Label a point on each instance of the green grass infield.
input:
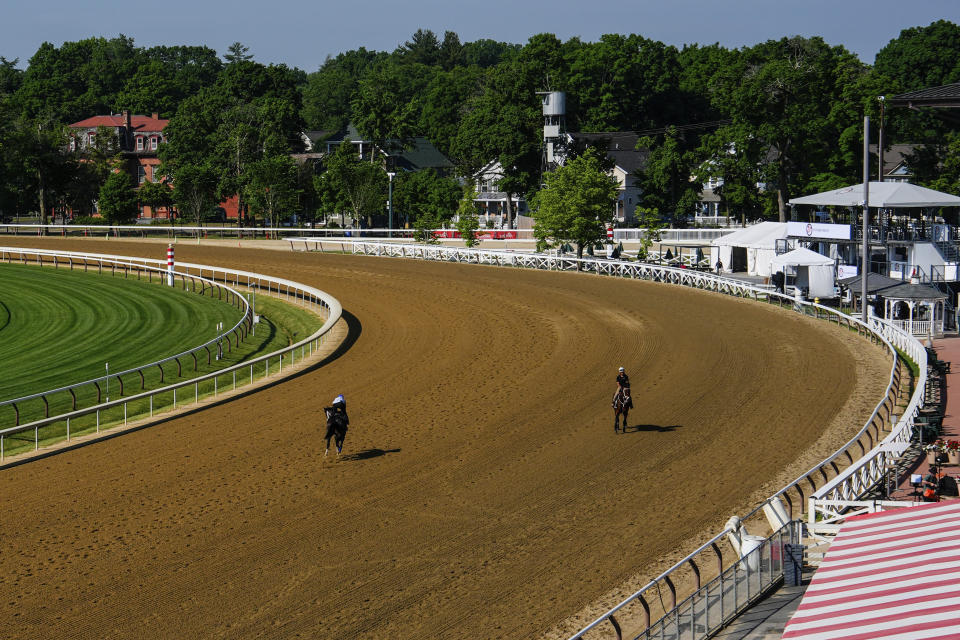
(59, 327)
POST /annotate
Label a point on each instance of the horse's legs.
(339, 443)
(328, 446)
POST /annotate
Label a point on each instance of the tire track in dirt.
(487, 495)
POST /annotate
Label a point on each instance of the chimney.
(127, 133)
(155, 115)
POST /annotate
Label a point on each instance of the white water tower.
(554, 121)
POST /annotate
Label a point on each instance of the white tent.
(758, 242)
(888, 195)
(812, 271)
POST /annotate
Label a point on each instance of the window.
(92, 138)
(153, 143)
(141, 174)
(139, 143)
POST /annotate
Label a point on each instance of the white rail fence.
(863, 457)
(228, 378)
(620, 234)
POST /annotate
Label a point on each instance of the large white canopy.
(758, 240)
(882, 194)
(759, 236)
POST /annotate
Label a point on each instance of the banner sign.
(846, 271)
(819, 230)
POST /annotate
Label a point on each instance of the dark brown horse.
(621, 407)
(336, 429)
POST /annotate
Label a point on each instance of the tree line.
(785, 114)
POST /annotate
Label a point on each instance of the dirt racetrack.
(483, 492)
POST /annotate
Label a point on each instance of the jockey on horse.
(337, 422)
(623, 382)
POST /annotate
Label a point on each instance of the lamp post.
(390, 175)
(865, 246)
(880, 140)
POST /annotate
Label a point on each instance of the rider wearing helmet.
(339, 406)
(623, 382)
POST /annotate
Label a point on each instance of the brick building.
(139, 138)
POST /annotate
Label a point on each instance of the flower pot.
(953, 456)
(933, 457)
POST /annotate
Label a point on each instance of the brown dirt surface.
(483, 492)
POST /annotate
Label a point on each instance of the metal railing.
(779, 509)
(732, 591)
(226, 379)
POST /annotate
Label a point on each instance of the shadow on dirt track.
(636, 428)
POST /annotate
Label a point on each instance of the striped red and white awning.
(893, 574)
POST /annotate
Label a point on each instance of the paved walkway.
(947, 349)
(767, 619)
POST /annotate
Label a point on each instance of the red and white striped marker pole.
(610, 233)
(169, 265)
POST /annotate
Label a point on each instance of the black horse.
(621, 406)
(336, 429)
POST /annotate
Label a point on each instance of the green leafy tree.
(621, 82)
(118, 200)
(735, 161)
(271, 188)
(422, 48)
(77, 79)
(156, 195)
(467, 219)
(152, 88)
(237, 52)
(575, 204)
(350, 185)
(387, 102)
(194, 191)
(41, 165)
(328, 92)
(653, 225)
(426, 193)
(781, 94)
(665, 180)
(503, 123)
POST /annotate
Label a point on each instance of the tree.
(652, 223)
(467, 220)
(665, 180)
(77, 79)
(118, 200)
(387, 101)
(781, 94)
(426, 193)
(328, 92)
(351, 185)
(422, 48)
(503, 123)
(156, 195)
(271, 188)
(194, 190)
(575, 204)
(237, 52)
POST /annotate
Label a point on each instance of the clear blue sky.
(302, 33)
